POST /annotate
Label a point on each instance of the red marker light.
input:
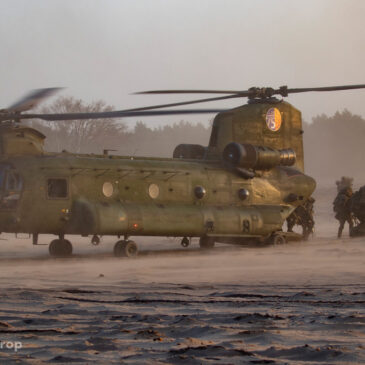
(135, 225)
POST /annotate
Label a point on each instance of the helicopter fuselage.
(67, 193)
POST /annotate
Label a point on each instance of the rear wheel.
(125, 249)
(206, 243)
(278, 239)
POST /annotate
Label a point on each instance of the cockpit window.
(11, 185)
(13, 181)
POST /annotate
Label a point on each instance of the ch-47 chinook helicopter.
(239, 188)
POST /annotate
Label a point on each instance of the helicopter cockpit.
(11, 185)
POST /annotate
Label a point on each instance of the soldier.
(302, 216)
(342, 208)
(345, 182)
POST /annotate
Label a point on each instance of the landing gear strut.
(185, 242)
(60, 248)
(125, 248)
(206, 243)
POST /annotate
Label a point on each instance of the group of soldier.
(348, 207)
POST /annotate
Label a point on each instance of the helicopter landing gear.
(125, 248)
(60, 248)
(206, 243)
(277, 239)
(185, 242)
(95, 240)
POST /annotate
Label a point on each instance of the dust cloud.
(305, 262)
(301, 301)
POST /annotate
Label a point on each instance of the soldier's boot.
(340, 228)
(351, 226)
(305, 233)
(290, 224)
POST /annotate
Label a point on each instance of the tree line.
(93, 136)
(334, 146)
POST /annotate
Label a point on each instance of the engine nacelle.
(257, 157)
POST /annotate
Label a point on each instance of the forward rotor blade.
(327, 88)
(32, 99)
(116, 114)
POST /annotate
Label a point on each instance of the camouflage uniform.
(358, 204)
(302, 216)
(342, 208)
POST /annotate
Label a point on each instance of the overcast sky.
(108, 49)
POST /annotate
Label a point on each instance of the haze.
(109, 49)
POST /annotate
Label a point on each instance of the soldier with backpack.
(342, 208)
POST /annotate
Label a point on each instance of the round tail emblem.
(273, 119)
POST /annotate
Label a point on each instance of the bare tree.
(81, 136)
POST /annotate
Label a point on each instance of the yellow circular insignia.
(273, 119)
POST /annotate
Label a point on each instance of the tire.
(60, 248)
(278, 239)
(53, 248)
(206, 243)
(66, 248)
(125, 249)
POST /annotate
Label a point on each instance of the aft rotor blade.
(256, 91)
(185, 103)
(116, 114)
(32, 99)
(192, 91)
(327, 88)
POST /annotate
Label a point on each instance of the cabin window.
(57, 188)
